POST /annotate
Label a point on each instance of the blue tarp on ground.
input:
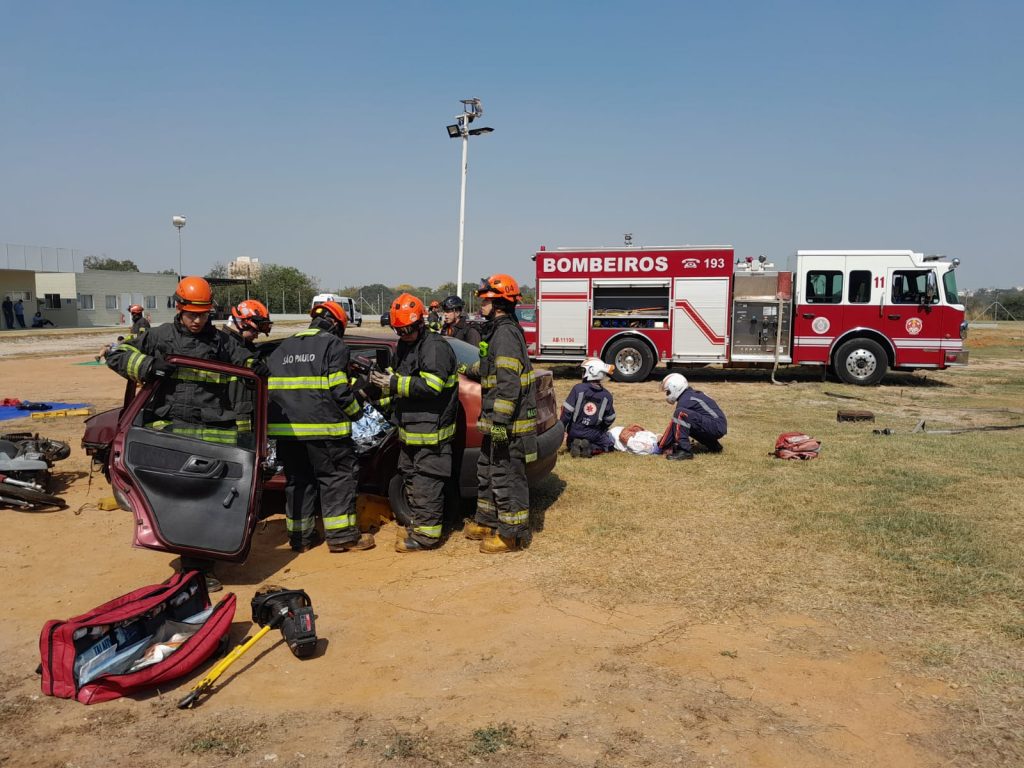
(12, 412)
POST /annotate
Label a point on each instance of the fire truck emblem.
(914, 326)
(690, 263)
(820, 325)
(589, 409)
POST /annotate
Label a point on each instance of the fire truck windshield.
(949, 285)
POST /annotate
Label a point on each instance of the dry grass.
(916, 538)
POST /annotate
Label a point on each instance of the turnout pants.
(425, 469)
(321, 477)
(503, 497)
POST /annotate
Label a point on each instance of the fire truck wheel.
(861, 361)
(632, 359)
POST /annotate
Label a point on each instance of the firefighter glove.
(261, 369)
(499, 433)
(161, 369)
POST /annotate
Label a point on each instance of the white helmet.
(595, 369)
(673, 386)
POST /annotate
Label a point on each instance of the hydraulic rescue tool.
(289, 610)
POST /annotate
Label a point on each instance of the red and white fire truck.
(859, 312)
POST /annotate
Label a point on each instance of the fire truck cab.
(859, 312)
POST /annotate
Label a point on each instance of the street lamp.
(179, 222)
(471, 110)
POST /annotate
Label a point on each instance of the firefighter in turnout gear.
(248, 320)
(434, 318)
(312, 408)
(696, 416)
(455, 324)
(139, 322)
(508, 420)
(198, 404)
(589, 412)
(423, 395)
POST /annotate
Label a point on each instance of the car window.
(527, 314)
(204, 405)
(466, 354)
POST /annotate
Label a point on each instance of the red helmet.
(251, 315)
(331, 309)
(500, 287)
(435, 304)
(135, 309)
(406, 310)
(193, 295)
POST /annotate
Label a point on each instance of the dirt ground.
(446, 658)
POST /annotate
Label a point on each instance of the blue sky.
(312, 134)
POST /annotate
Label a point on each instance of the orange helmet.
(193, 295)
(331, 309)
(406, 311)
(500, 287)
(135, 309)
(251, 315)
(435, 304)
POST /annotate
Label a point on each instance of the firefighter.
(696, 416)
(455, 324)
(508, 420)
(247, 321)
(423, 393)
(589, 412)
(434, 318)
(312, 408)
(194, 406)
(139, 322)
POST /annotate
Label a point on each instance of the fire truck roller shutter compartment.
(562, 328)
(700, 319)
(630, 309)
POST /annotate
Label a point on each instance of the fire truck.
(860, 313)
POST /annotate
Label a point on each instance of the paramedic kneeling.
(588, 412)
(696, 416)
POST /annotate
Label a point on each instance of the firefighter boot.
(477, 532)
(365, 541)
(679, 455)
(409, 544)
(496, 544)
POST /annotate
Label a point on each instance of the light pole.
(179, 222)
(471, 110)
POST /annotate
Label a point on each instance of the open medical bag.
(135, 642)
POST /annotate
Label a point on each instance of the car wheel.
(397, 501)
(632, 359)
(861, 361)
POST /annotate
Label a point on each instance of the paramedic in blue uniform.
(588, 412)
(696, 416)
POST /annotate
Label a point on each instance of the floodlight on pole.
(471, 110)
(179, 222)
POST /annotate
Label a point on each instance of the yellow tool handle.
(219, 668)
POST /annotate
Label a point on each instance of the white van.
(354, 316)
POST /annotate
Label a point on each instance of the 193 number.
(714, 263)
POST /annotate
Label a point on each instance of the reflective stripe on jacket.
(310, 396)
